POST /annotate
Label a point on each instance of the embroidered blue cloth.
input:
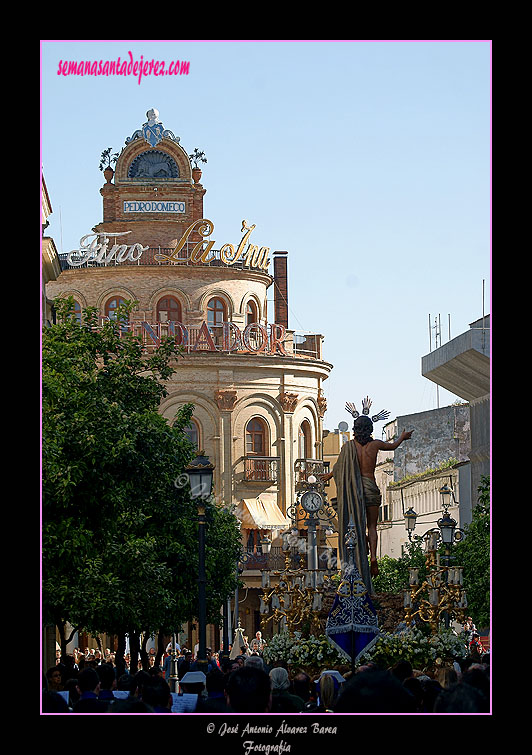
(352, 625)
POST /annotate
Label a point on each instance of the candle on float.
(316, 605)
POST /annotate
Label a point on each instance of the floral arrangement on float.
(311, 654)
(424, 652)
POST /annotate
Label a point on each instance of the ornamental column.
(226, 400)
(288, 403)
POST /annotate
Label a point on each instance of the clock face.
(311, 501)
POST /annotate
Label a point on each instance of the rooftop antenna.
(483, 326)
(437, 331)
(437, 341)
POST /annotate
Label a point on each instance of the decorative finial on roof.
(197, 157)
(153, 130)
(153, 116)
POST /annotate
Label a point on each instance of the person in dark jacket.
(215, 702)
(107, 677)
(89, 689)
(157, 695)
(248, 690)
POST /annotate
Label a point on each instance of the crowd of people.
(88, 682)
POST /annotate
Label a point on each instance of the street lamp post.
(441, 595)
(225, 629)
(314, 510)
(298, 595)
(448, 530)
(202, 596)
(410, 522)
(173, 665)
(200, 473)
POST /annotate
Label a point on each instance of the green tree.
(393, 573)
(473, 553)
(119, 537)
(223, 551)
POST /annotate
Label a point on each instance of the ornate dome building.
(256, 384)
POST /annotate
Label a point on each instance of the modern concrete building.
(450, 445)
(462, 366)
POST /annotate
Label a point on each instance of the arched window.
(305, 440)
(169, 310)
(192, 432)
(251, 313)
(256, 437)
(77, 311)
(216, 312)
(112, 305)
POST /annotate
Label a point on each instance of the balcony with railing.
(304, 468)
(307, 344)
(275, 560)
(261, 468)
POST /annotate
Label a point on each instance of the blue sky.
(368, 161)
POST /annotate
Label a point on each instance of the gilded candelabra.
(296, 598)
(440, 595)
